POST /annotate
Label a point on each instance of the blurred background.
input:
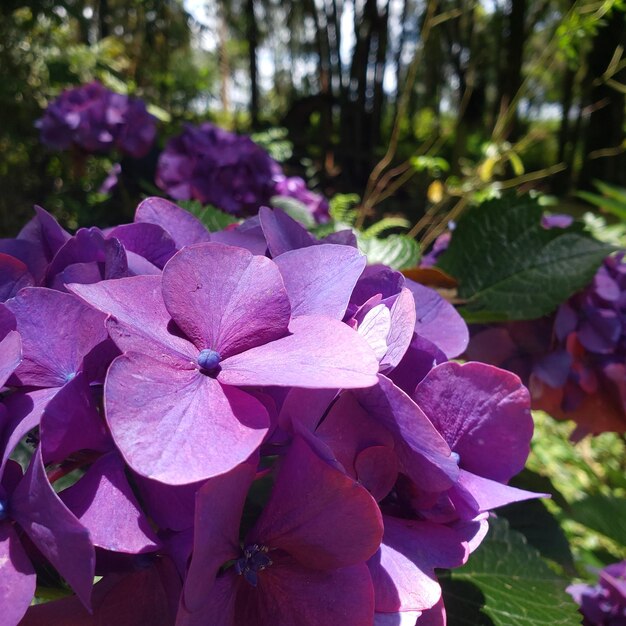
(448, 91)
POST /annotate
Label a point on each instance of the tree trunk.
(252, 34)
(605, 128)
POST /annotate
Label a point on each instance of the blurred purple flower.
(214, 166)
(603, 604)
(295, 187)
(95, 119)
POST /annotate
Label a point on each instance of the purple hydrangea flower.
(603, 604)
(94, 119)
(214, 166)
(295, 187)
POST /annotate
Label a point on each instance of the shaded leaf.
(211, 217)
(604, 514)
(510, 268)
(397, 251)
(517, 586)
(294, 209)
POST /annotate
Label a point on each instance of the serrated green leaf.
(612, 191)
(397, 251)
(212, 218)
(604, 514)
(341, 207)
(295, 209)
(517, 588)
(511, 268)
(542, 531)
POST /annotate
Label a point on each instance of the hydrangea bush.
(230, 171)
(244, 426)
(95, 119)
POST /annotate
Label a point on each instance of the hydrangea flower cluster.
(256, 428)
(230, 171)
(575, 361)
(603, 604)
(93, 118)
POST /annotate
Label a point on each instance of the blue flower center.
(209, 360)
(254, 560)
(456, 456)
(4, 509)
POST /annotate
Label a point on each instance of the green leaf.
(515, 587)
(604, 514)
(397, 251)
(542, 531)
(511, 268)
(212, 218)
(295, 209)
(609, 205)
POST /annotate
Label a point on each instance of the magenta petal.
(484, 414)
(321, 353)
(438, 321)
(320, 516)
(139, 319)
(404, 618)
(182, 226)
(104, 503)
(291, 595)
(225, 299)
(320, 279)
(58, 330)
(218, 606)
(10, 355)
(17, 577)
(377, 470)
(305, 407)
(61, 538)
(401, 331)
(219, 505)
(423, 453)
(403, 572)
(44, 231)
(71, 422)
(25, 411)
(176, 425)
(488, 494)
(14, 275)
(436, 616)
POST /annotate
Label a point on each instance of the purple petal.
(71, 422)
(557, 220)
(421, 356)
(403, 571)
(61, 538)
(403, 618)
(182, 226)
(483, 413)
(17, 576)
(216, 537)
(105, 505)
(148, 240)
(321, 353)
(141, 322)
(377, 279)
(24, 411)
(44, 231)
(28, 253)
(14, 275)
(320, 279)
(58, 331)
(10, 355)
(282, 232)
(423, 453)
(247, 235)
(485, 495)
(176, 425)
(305, 407)
(374, 327)
(225, 299)
(321, 517)
(377, 470)
(438, 321)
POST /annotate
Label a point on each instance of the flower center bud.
(209, 360)
(4, 509)
(254, 560)
(456, 456)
